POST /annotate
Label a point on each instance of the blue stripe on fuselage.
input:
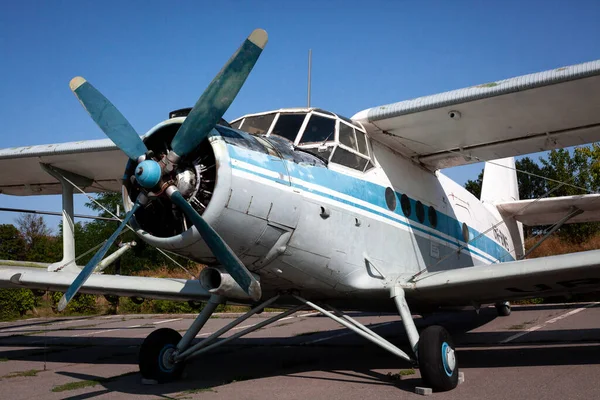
(373, 194)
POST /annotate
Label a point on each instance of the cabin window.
(432, 214)
(390, 198)
(465, 232)
(288, 125)
(405, 204)
(237, 124)
(258, 125)
(349, 159)
(420, 210)
(318, 130)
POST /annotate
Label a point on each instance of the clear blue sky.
(151, 57)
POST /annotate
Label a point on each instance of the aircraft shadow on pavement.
(346, 357)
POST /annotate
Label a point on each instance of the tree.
(530, 186)
(140, 257)
(32, 227)
(12, 244)
(40, 244)
(475, 186)
(561, 173)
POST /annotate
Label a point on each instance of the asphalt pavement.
(538, 352)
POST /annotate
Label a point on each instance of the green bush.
(80, 304)
(14, 303)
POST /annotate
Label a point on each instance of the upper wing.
(527, 114)
(99, 161)
(537, 277)
(155, 288)
(548, 211)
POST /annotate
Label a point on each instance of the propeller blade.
(89, 268)
(220, 249)
(219, 95)
(108, 118)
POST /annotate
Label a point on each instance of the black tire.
(503, 309)
(436, 372)
(151, 359)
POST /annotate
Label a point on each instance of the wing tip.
(259, 37)
(76, 82)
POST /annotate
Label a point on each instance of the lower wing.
(133, 286)
(537, 277)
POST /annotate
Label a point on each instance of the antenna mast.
(309, 71)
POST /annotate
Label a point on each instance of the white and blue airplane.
(303, 208)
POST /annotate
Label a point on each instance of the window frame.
(332, 144)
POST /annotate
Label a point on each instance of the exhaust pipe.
(218, 281)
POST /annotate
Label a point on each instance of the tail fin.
(500, 181)
(499, 185)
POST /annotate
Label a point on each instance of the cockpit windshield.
(331, 137)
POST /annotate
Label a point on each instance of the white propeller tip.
(62, 304)
(76, 82)
(254, 290)
(259, 37)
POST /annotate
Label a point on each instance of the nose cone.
(148, 173)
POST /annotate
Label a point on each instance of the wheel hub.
(167, 359)
(449, 358)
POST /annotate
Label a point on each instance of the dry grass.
(164, 272)
(554, 246)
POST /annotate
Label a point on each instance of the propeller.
(150, 174)
(219, 95)
(108, 118)
(217, 245)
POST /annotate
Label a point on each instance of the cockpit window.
(332, 138)
(318, 130)
(349, 159)
(288, 125)
(347, 136)
(361, 140)
(258, 125)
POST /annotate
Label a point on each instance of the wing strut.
(573, 212)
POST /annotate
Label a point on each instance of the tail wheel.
(437, 359)
(503, 309)
(155, 358)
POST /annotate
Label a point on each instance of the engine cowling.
(204, 179)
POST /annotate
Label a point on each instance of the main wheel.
(437, 359)
(155, 356)
(503, 309)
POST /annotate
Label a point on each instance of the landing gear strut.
(164, 352)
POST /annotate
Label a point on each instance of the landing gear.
(437, 359)
(156, 359)
(434, 349)
(503, 309)
(164, 352)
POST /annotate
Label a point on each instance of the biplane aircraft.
(304, 208)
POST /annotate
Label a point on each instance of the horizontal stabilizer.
(548, 211)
